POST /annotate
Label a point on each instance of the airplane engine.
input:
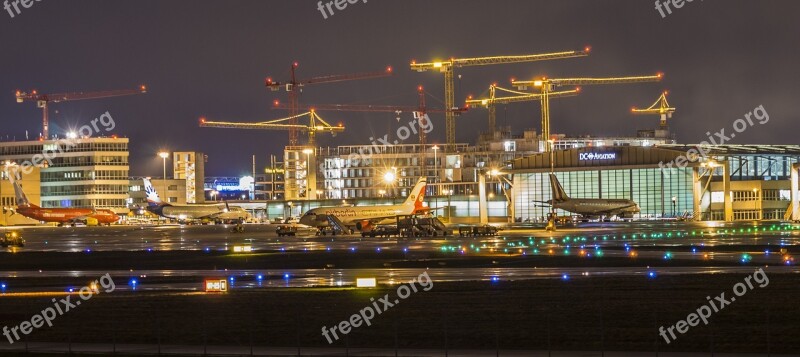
(364, 226)
(92, 221)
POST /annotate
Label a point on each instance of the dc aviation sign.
(589, 156)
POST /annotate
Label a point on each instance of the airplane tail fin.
(417, 194)
(558, 192)
(153, 200)
(21, 198)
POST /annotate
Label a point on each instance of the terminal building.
(731, 182)
(91, 173)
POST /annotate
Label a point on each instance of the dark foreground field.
(578, 314)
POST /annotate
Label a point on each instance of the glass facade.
(658, 195)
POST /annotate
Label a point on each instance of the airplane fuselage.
(599, 207)
(352, 215)
(65, 215)
(190, 212)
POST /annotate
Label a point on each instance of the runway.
(192, 280)
(263, 237)
(697, 248)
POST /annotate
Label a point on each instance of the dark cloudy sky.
(210, 58)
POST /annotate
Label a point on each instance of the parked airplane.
(364, 218)
(218, 212)
(62, 216)
(590, 207)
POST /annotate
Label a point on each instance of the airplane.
(62, 216)
(590, 207)
(364, 218)
(217, 212)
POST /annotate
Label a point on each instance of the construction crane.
(315, 125)
(660, 107)
(420, 112)
(491, 102)
(447, 67)
(546, 86)
(294, 86)
(43, 100)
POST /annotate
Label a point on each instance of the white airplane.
(364, 218)
(191, 212)
(590, 207)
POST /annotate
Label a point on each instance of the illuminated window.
(510, 146)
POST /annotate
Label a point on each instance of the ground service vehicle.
(13, 239)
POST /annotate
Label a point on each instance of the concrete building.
(88, 172)
(733, 182)
(271, 184)
(190, 167)
(32, 187)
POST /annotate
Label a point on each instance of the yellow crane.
(491, 102)
(316, 124)
(447, 67)
(546, 86)
(660, 107)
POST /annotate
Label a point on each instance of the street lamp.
(674, 201)
(435, 166)
(448, 193)
(551, 219)
(164, 155)
(308, 152)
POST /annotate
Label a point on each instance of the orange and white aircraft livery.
(363, 217)
(61, 216)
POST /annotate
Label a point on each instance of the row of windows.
(8, 201)
(84, 175)
(62, 147)
(90, 160)
(84, 190)
(746, 214)
(84, 203)
(743, 196)
(739, 196)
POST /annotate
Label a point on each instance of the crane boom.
(316, 124)
(546, 86)
(43, 100)
(294, 100)
(493, 100)
(447, 66)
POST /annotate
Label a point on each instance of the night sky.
(209, 58)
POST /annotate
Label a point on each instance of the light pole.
(164, 155)
(435, 166)
(449, 193)
(310, 181)
(759, 205)
(674, 201)
(551, 219)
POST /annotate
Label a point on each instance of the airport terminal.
(289, 196)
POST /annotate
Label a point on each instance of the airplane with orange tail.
(365, 217)
(62, 216)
